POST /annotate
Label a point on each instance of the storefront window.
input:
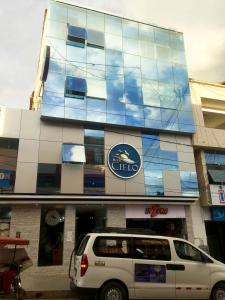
(51, 237)
(8, 161)
(5, 218)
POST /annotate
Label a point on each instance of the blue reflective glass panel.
(150, 93)
(133, 95)
(153, 182)
(180, 74)
(76, 54)
(55, 83)
(130, 29)
(56, 66)
(96, 117)
(74, 84)
(114, 58)
(113, 25)
(56, 30)
(185, 118)
(58, 48)
(152, 190)
(114, 107)
(77, 16)
(115, 119)
(57, 12)
(96, 71)
(134, 110)
(163, 53)
(149, 69)
(146, 33)
(149, 142)
(75, 114)
(52, 99)
(115, 90)
(78, 32)
(131, 46)
(132, 121)
(132, 61)
(96, 105)
(132, 76)
(189, 184)
(75, 103)
(154, 124)
(114, 73)
(152, 113)
(52, 111)
(178, 57)
(95, 20)
(162, 36)
(169, 115)
(176, 40)
(95, 56)
(147, 49)
(165, 72)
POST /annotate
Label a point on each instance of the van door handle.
(175, 267)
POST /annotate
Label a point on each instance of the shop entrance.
(167, 227)
(88, 219)
(215, 232)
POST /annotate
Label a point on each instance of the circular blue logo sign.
(124, 161)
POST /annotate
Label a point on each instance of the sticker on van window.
(150, 273)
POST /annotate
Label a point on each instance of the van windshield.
(82, 246)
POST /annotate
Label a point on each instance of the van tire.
(218, 291)
(113, 291)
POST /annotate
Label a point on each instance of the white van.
(119, 266)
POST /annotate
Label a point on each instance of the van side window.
(186, 251)
(112, 246)
(155, 249)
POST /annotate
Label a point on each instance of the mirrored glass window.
(130, 29)
(162, 36)
(95, 56)
(132, 61)
(57, 48)
(73, 154)
(116, 119)
(146, 33)
(75, 103)
(176, 40)
(99, 117)
(149, 69)
(189, 184)
(180, 74)
(52, 111)
(115, 90)
(131, 46)
(152, 113)
(75, 87)
(113, 41)
(96, 105)
(114, 58)
(147, 49)
(75, 114)
(77, 16)
(132, 76)
(165, 72)
(95, 20)
(76, 54)
(150, 93)
(55, 83)
(76, 69)
(56, 66)
(153, 182)
(113, 25)
(56, 30)
(134, 110)
(131, 121)
(76, 35)
(115, 107)
(52, 99)
(178, 57)
(57, 12)
(114, 72)
(96, 71)
(133, 95)
(163, 53)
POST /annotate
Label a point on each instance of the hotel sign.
(124, 161)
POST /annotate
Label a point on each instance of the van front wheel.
(113, 291)
(219, 292)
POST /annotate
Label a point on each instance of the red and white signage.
(155, 211)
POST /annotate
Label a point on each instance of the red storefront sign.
(156, 210)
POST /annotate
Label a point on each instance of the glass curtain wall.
(107, 69)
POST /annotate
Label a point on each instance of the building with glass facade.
(107, 142)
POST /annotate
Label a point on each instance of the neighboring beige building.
(209, 144)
